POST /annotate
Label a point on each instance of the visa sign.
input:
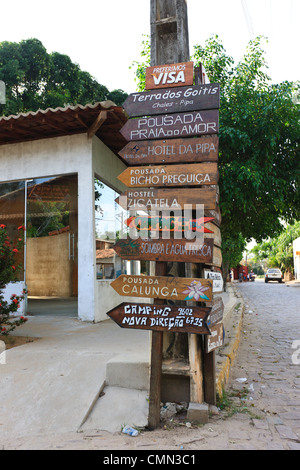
(162, 76)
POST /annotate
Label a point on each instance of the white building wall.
(296, 251)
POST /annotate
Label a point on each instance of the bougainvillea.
(8, 271)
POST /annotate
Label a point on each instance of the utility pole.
(169, 44)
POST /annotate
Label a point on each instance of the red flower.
(15, 301)
(14, 268)
(15, 250)
(2, 226)
(21, 227)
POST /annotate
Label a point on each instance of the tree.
(35, 79)
(259, 143)
(278, 252)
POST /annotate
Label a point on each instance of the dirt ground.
(14, 341)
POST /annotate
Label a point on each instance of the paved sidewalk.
(44, 383)
(262, 388)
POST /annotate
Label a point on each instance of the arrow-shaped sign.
(181, 319)
(185, 251)
(189, 98)
(161, 198)
(168, 224)
(170, 126)
(193, 150)
(160, 287)
(170, 175)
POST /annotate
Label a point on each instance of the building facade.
(49, 162)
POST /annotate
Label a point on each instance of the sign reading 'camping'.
(180, 319)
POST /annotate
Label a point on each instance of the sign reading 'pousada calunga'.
(160, 287)
(172, 125)
(177, 100)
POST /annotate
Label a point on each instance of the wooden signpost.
(163, 287)
(215, 339)
(172, 156)
(193, 150)
(161, 317)
(171, 175)
(165, 250)
(161, 101)
(161, 198)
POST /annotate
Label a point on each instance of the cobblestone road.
(264, 389)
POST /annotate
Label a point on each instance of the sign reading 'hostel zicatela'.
(159, 287)
(161, 317)
(162, 198)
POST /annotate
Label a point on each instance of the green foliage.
(140, 67)
(278, 252)
(8, 270)
(37, 80)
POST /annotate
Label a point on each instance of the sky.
(104, 37)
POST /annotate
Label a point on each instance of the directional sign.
(170, 126)
(181, 250)
(160, 287)
(217, 279)
(216, 235)
(180, 319)
(168, 223)
(193, 98)
(217, 311)
(193, 150)
(169, 75)
(170, 175)
(159, 199)
(216, 339)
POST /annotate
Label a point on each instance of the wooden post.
(156, 363)
(169, 44)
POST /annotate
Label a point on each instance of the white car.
(273, 274)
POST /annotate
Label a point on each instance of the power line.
(248, 18)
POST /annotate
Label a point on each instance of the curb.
(226, 354)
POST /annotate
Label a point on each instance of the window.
(109, 223)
